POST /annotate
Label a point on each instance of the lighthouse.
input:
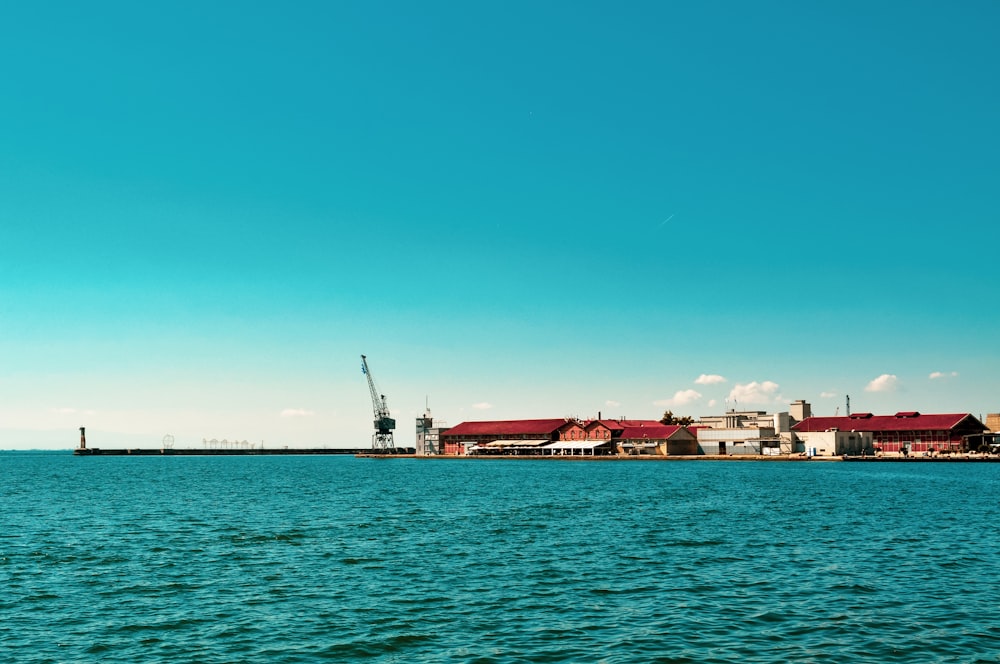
(83, 438)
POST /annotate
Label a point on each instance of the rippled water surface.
(301, 559)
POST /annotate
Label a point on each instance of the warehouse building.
(746, 432)
(658, 439)
(546, 437)
(567, 437)
(906, 432)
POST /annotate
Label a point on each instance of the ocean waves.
(304, 559)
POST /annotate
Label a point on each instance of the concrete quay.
(278, 451)
(941, 458)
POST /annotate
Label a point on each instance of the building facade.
(657, 439)
(755, 432)
(510, 436)
(837, 443)
(567, 436)
(429, 435)
(906, 432)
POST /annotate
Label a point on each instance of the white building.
(429, 435)
(751, 431)
(836, 443)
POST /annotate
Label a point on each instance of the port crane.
(384, 424)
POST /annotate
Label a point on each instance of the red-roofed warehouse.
(907, 431)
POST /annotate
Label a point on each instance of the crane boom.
(384, 424)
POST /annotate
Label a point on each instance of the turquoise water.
(303, 559)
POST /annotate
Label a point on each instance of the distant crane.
(384, 424)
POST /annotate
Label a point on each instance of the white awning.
(517, 443)
(576, 445)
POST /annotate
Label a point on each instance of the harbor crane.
(384, 424)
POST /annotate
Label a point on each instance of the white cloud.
(827, 395)
(681, 398)
(884, 383)
(939, 374)
(72, 411)
(613, 404)
(296, 412)
(483, 405)
(685, 397)
(755, 392)
(711, 403)
(709, 379)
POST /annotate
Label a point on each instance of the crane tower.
(384, 424)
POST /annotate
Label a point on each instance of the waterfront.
(306, 558)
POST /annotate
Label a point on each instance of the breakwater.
(213, 451)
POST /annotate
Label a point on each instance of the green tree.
(670, 418)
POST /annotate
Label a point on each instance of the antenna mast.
(384, 424)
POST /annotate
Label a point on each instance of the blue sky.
(516, 210)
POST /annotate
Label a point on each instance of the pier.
(278, 451)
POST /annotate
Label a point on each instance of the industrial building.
(658, 439)
(733, 433)
(754, 432)
(567, 437)
(429, 432)
(510, 436)
(836, 443)
(906, 432)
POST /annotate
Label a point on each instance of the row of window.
(577, 434)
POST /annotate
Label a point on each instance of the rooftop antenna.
(848, 405)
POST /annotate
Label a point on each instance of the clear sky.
(210, 210)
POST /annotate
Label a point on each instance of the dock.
(277, 451)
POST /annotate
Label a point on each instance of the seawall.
(280, 451)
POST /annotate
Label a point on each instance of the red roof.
(655, 431)
(541, 428)
(618, 425)
(903, 421)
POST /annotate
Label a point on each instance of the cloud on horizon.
(754, 392)
(296, 412)
(680, 398)
(72, 411)
(709, 379)
(482, 405)
(884, 383)
(613, 404)
(827, 395)
(939, 374)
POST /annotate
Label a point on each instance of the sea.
(343, 559)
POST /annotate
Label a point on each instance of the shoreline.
(282, 451)
(368, 454)
(955, 458)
